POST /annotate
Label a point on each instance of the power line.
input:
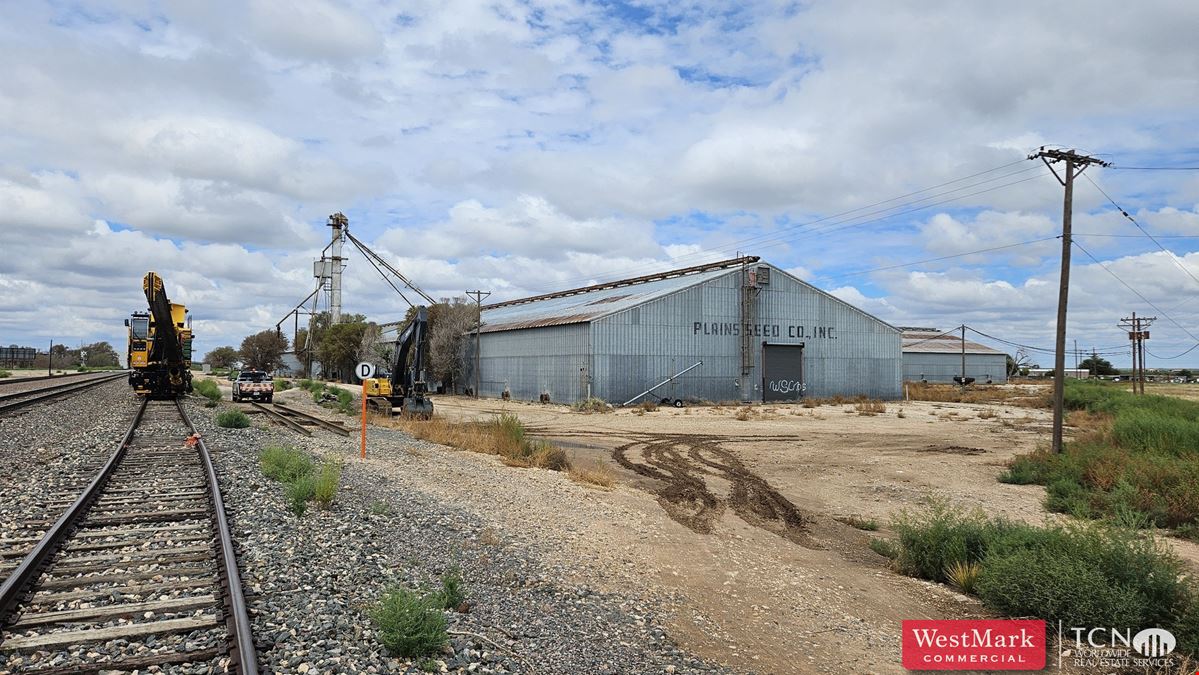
(1105, 351)
(945, 257)
(1137, 236)
(1143, 230)
(1157, 168)
(1137, 293)
(839, 217)
(1176, 356)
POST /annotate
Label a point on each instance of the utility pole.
(1137, 335)
(963, 356)
(478, 295)
(1075, 165)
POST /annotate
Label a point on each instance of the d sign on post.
(364, 371)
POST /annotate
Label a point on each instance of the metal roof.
(587, 304)
(931, 341)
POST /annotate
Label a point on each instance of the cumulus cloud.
(526, 146)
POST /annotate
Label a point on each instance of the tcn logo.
(1153, 642)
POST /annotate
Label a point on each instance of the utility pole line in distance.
(1075, 165)
(478, 295)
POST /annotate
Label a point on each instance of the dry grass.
(593, 473)
(503, 436)
(649, 406)
(987, 414)
(1029, 396)
(870, 408)
(744, 414)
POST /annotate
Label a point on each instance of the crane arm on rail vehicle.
(167, 346)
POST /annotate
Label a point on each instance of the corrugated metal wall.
(846, 351)
(529, 362)
(944, 367)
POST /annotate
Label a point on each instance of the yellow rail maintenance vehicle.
(160, 345)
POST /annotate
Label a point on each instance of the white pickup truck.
(254, 385)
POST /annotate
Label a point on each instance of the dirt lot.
(738, 517)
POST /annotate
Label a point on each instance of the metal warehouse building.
(936, 356)
(736, 330)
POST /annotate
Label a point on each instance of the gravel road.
(311, 579)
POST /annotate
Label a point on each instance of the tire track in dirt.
(683, 463)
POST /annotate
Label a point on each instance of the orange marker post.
(364, 371)
(364, 420)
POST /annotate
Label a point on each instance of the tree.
(263, 351)
(222, 357)
(1098, 365)
(449, 339)
(1185, 372)
(101, 355)
(338, 346)
(373, 349)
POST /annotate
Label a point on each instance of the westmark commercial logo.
(974, 645)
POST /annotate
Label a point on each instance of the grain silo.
(739, 330)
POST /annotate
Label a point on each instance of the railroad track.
(298, 420)
(138, 571)
(19, 399)
(40, 378)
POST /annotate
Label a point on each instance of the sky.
(522, 147)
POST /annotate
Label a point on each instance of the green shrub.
(285, 464)
(885, 547)
(232, 419)
(282, 384)
(326, 484)
(345, 400)
(5, 373)
(208, 389)
(380, 508)
(1084, 575)
(453, 591)
(299, 492)
(410, 626)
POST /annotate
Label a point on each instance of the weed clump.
(591, 405)
(325, 486)
(410, 625)
(857, 522)
(5, 373)
(870, 408)
(595, 473)
(209, 390)
(297, 472)
(233, 419)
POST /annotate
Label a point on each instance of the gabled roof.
(932, 341)
(581, 305)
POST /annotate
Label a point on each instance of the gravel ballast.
(311, 580)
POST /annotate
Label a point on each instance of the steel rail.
(15, 586)
(30, 397)
(237, 618)
(322, 422)
(38, 378)
(276, 416)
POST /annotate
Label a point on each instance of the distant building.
(1076, 373)
(17, 357)
(932, 355)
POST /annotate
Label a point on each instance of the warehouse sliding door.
(782, 372)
